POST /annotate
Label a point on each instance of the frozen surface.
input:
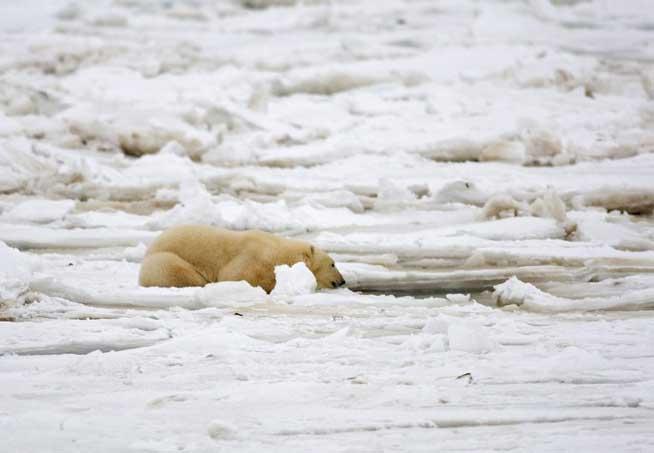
(294, 280)
(482, 173)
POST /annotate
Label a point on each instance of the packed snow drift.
(481, 172)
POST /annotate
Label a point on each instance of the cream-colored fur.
(194, 255)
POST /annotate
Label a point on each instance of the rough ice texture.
(39, 211)
(498, 153)
(16, 272)
(293, 280)
(230, 294)
(219, 429)
(469, 337)
(527, 296)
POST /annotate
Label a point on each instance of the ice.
(110, 20)
(469, 338)
(295, 280)
(391, 195)
(110, 296)
(550, 205)
(79, 337)
(16, 272)
(426, 343)
(460, 192)
(219, 429)
(481, 173)
(39, 211)
(435, 326)
(230, 294)
(630, 199)
(24, 236)
(71, 11)
(502, 206)
(527, 296)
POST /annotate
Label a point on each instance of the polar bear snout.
(337, 284)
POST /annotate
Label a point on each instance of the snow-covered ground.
(482, 172)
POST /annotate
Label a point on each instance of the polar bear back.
(210, 250)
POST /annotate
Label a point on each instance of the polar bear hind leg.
(256, 273)
(166, 269)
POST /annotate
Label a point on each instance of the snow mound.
(296, 280)
(195, 206)
(329, 80)
(647, 80)
(110, 20)
(392, 194)
(502, 206)
(219, 429)
(16, 271)
(469, 337)
(513, 291)
(549, 205)
(426, 343)
(119, 108)
(136, 253)
(545, 148)
(435, 326)
(71, 11)
(634, 200)
(39, 211)
(612, 230)
(260, 4)
(335, 199)
(148, 137)
(527, 296)
(454, 335)
(461, 191)
(108, 294)
(504, 151)
(223, 294)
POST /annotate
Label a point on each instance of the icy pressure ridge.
(482, 173)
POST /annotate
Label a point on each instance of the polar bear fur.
(194, 255)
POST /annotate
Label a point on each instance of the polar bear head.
(323, 268)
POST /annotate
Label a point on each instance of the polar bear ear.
(307, 256)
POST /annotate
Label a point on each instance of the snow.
(16, 272)
(230, 294)
(468, 338)
(513, 291)
(294, 280)
(39, 211)
(221, 430)
(481, 172)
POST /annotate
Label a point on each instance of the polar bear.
(194, 255)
